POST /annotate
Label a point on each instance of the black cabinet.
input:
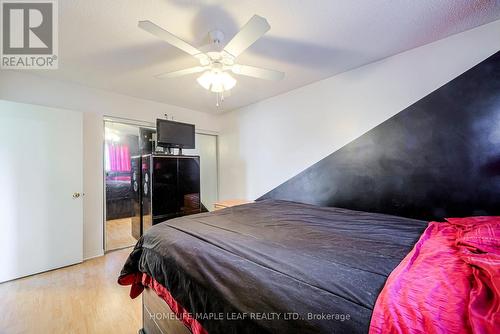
(170, 187)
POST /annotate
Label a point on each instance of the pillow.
(479, 234)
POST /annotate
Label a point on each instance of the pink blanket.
(448, 283)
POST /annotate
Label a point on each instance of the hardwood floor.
(119, 233)
(83, 298)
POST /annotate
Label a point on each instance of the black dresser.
(165, 187)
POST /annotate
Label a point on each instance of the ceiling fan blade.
(251, 31)
(180, 73)
(168, 37)
(257, 72)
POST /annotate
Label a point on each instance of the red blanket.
(448, 283)
(140, 280)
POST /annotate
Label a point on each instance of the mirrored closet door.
(124, 143)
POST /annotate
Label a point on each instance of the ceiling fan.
(217, 63)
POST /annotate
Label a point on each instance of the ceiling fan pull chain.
(220, 100)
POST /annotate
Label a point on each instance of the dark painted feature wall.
(438, 158)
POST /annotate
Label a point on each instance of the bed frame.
(157, 317)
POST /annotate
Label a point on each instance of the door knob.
(76, 195)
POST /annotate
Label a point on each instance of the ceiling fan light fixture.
(216, 82)
(205, 80)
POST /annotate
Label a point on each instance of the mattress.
(276, 266)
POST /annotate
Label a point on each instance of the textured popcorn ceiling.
(101, 46)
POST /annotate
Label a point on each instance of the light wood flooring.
(119, 233)
(83, 298)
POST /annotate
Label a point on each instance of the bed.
(284, 267)
(278, 266)
(272, 266)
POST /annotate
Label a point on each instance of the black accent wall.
(438, 158)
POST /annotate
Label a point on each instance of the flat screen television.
(174, 134)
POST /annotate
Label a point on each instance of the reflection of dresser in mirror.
(170, 187)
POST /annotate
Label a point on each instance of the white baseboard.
(93, 257)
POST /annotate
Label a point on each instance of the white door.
(206, 148)
(41, 223)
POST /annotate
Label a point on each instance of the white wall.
(266, 143)
(94, 103)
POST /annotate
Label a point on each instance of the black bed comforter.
(276, 266)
